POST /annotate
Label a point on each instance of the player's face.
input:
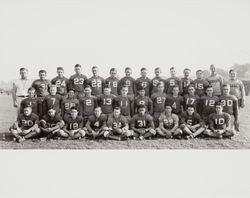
(73, 113)
(212, 69)
(160, 87)
(113, 73)
(117, 113)
(107, 91)
(23, 74)
(186, 73)
(157, 72)
(144, 73)
(51, 112)
(210, 91)
(31, 93)
(60, 73)
(168, 109)
(71, 94)
(78, 70)
(98, 112)
(233, 75)
(27, 111)
(218, 108)
(191, 90)
(226, 90)
(141, 111)
(124, 91)
(42, 75)
(172, 72)
(52, 91)
(142, 92)
(190, 110)
(87, 91)
(199, 75)
(128, 72)
(95, 71)
(175, 91)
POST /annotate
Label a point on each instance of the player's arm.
(151, 124)
(65, 128)
(243, 94)
(211, 123)
(89, 128)
(35, 126)
(132, 125)
(176, 124)
(150, 106)
(14, 97)
(161, 126)
(227, 122)
(236, 110)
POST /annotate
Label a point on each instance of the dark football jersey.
(51, 121)
(62, 85)
(144, 83)
(146, 101)
(88, 104)
(25, 122)
(190, 119)
(41, 87)
(154, 83)
(169, 121)
(119, 122)
(113, 83)
(145, 121)
(191, 100)
(230, 104)
(219, 121)
(200, 86)
(107, 103)
(176, 103)
(96, 83)
(159, 101)
(33, 102)
(185, 82)
(171, 82)
(68, 103)
(208, 105)
(130, 83)
(77, 82)
(53, 102)
(126, 104)
(97, 123)
(73, 124)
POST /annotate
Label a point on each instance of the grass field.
(8, 115)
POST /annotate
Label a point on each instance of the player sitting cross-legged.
(74, 125)
(142, 124)
(219, 124)
(118, 126)
(191, 123)
(51, 124)
(168, 124)
(26, 126)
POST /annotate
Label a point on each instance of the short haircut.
(51, 107)
(143, 69)
(106, 86)
(71, 90)
(218, 104)
(78, 65)
(124, 87)
(171, 68)
(209, 86)
(141, 89)
(168, 105)
(98, 107)
(88, 86)
(225, 85)
(42, 71)
(141, 106)
(232, 70)
(112, 69)
(52, 86)
(190, 106)
(199, 70)
(187, 69)
(128, 68)
(73, 108)
(23, 69)
(191, 86)
(176, 86)
(60, 68)
(157, 68)
(160, 83)
(117, 108)
(94, 67)
(31, 89)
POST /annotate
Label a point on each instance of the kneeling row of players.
(115, 126)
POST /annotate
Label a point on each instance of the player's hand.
(49, 130)
(242, 104)
(237, 125)
(15, 105)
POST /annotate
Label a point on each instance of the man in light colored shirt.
(20, 87)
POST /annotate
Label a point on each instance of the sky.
(136, 33)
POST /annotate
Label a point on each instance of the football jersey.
(159, 101)
(208, 105)
(216, 82)
(126, 104)
(51, 121)
(25, 122)
(154, 83)
(146, 101)
(41, 87)
(73, 124)
(191, 100)
(191, 119)
(185, 82)
(96, 83)
(145, 121)
(53, 102)
(33, 102)
(176, 103)
(144, 83)
(236, 88)
(170, 83)
(169, 121)
(200, 86)
(107, 103)
(62, 85)
(130, 83)
(77, 82)
(88, 104)
(113, 83)
(219, 121)
(68, 103)
(230, 104)
(119, 122)
(97, 123)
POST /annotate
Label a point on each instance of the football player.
(113, 81)
(191, 98)
(118, 126)
(176, 101)
(191, 123)
(168, 124)
(216, 81)
(219, 124)
(97, 124)
(144, 82)
(156, 80)
(68, 102)
(142, 124)
(200, 84)
(61, 82)
(73, 125)
(186, 81)
(26, 126)
(96, 82)
(172, 82)
(128, 81)
(141, 99)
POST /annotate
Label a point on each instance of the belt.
(22, 96)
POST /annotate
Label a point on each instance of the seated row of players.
(75, 118)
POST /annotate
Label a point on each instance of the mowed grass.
(8, 115)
